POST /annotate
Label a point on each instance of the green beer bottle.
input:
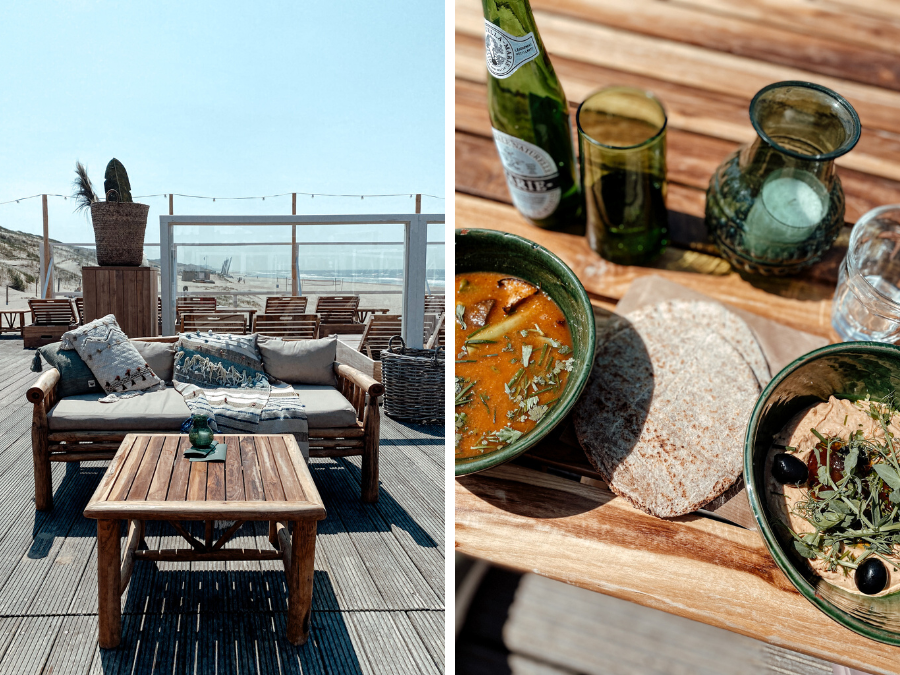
(530, 118)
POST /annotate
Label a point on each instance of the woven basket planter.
(119, 232)
(413, 383)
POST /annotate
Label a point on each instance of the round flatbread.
(664, 412)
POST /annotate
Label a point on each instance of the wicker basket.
(119, 232)
(413, 383)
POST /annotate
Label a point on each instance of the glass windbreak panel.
(436, 232)
(435, 284)
(243, 265)
(68, 259)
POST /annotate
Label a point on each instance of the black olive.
(871, 576)
(788, 469)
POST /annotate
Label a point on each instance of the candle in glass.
(790, 205)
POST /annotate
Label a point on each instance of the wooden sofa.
(360, 438)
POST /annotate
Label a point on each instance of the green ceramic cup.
(846, 370)
(494, 251)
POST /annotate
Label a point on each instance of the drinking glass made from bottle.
(776, 205)
(866, 303)
(622, 147)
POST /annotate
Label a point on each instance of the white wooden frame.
(415, 240)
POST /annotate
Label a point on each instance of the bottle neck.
(513, 16)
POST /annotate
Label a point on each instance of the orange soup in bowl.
(514, 354)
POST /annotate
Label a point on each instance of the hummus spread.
(834, 418)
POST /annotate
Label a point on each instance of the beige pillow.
(300, 361)
(160, 356)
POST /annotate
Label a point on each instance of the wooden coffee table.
(264, 478)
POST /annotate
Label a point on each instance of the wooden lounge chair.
(434, 304)
(287, 326)
(337, 314)
(193, 303)
(380, 328)
(286, 305)
(52, 318)
(217, 322)
(437, 335)
(79, 308)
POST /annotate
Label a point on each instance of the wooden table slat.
(289, 481)
(234, 476)
(253, 487)
(725, 32)
(147, 469)
(685, 64)
(215, 479)
(125, 476)
(268, 470)
(300, 471)
(181, 471)
(159, 486)
(197, 482)
(109, 477)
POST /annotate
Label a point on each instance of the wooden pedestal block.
(129, 293)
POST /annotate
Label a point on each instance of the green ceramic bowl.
(493, 251)
(846, 370)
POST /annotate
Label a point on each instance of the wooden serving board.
(694, 567)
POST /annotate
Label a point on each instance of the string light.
(312, 195)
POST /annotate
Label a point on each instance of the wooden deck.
(378, 599)
(519, 624)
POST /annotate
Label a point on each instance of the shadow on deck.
(378, 601)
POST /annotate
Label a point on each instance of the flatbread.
(664, 413)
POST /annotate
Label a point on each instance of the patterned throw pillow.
(219, 360)
(117, 365)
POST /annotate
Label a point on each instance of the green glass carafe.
(776, 205)
(200, 435)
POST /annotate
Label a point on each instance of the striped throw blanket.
(222, 376)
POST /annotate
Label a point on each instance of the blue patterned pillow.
(219, 361)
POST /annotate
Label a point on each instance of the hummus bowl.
(849, 370)
(494, 251)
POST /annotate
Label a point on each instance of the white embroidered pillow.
(114, 361)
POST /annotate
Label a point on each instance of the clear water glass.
(866, 303)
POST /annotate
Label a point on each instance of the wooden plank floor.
(519, 624)
(378, 602)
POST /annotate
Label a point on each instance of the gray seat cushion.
(153, 411)
(166, 410)
(325, 406)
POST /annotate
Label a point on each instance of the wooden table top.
(705, 59)
(264, 477)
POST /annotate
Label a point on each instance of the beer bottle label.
(506, 53)
(531, 174)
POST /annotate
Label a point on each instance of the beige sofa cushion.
(166, 410)
(300, 362)
(154, 411)
(160, 357)
(325, 406)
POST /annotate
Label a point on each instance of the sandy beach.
(252, 291)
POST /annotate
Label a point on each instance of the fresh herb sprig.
(850, 516)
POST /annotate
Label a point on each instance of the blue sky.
(221, 99)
